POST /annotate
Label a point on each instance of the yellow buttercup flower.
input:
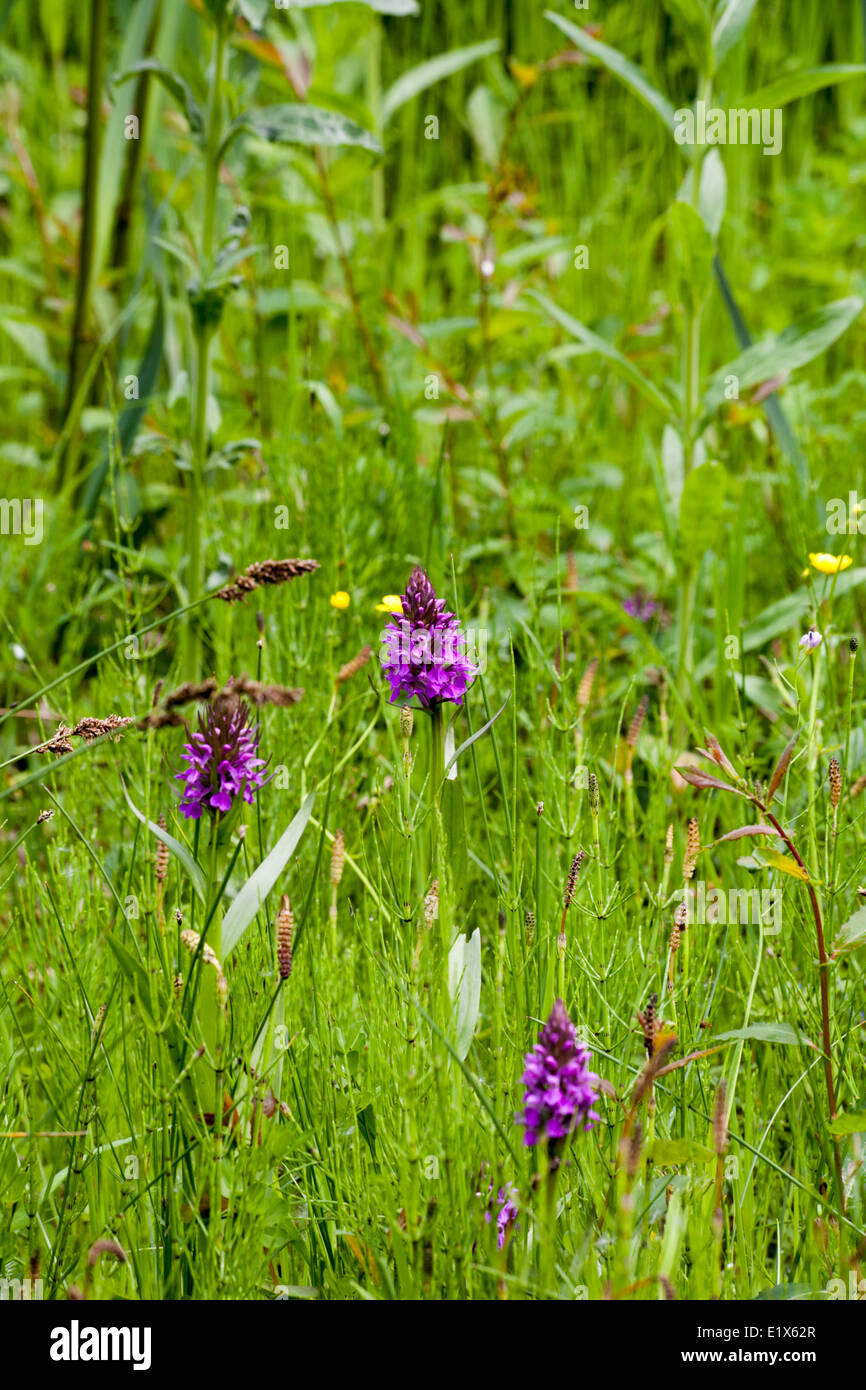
(830, 564)
(340, 599)
(391, 603)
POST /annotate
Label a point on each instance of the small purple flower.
(559, 1087)
(424, 649)
(506, 1216)
(641, 607)
(810, 640)
(222, 758)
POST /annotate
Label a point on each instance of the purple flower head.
(222, 758)
(810, 640)
(559, 1087)
(641, 607)
(424, 649)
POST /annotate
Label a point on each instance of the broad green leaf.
(712, 191)
(702, 509)
(692, 259)
(464, 987)
(178, 850)
(854, 1123)
(799, 84)
(486, 114)
(293, 123)
(416, 80)
(798, 344)
(260, 883)
(853, 934)
(174, 85)
(605, 349)
(628, 73)
(730, 26)
(765, 1032)
(32, 342)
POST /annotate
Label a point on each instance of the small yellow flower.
(340, 599)
(830, 564)
(391, 603)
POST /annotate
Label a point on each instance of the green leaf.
(178, 850)
(628, 73)
(666, 1153)
(855, 1123)
(416, 80)
(798, 344)
(799, 84)
(702, 508)
(852, 934)
(692, 259)
(712, 191)
(174, 85)
(293, 123)
(477, 734)
(605, 349)
(730, 26)
(260, 883)
(464, 987)
(32, 342)
(765, 1032)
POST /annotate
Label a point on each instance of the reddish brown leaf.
(744, 830)
(780, 769)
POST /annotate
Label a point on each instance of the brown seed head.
(584, 690)
(285, 928)
(338, 854)
(693, 846)
(835, 783)
(571, 882)
(636, 724)
(352, 667)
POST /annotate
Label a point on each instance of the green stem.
(204, 336)
(86, 268)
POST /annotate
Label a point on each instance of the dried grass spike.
(584, 690)
(338, 855)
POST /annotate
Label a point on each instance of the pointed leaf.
(605, 349)
(416, 80)
(800, 84)
(464, 987)
(785, 864)
(628, 73)
(798, 344)
(730, 26)
(696, 778)
(260, 883)
(743, 830)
